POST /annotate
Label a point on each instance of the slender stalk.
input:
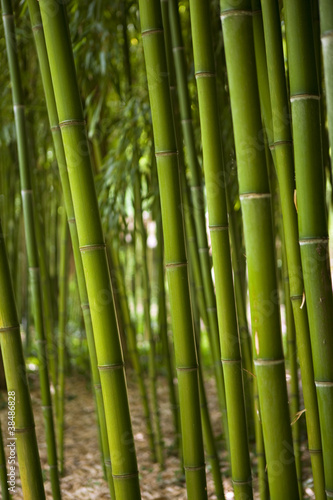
(218, 223)
(31, 242)
(60, 154)
(141, 233)
(281, 145)
(92, 247)
(17, 384)
(256, 207)
(197, 204)
(3, 471)
(326, 29)
(311, 210)
(175, 254)
(130, 335)
(63, 284)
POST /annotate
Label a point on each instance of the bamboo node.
(5, 329)
(247, 196)
(192, 468)
(205, 74)
(125, 476)
(85, 306)
(323, 383)
(26, 191)
(70, 123)
(329, 493)
(166, 153)
(203, 249)
(235, 12)
(37, 27)
(90, 248)
(267, 362)
(152, 32)
(7, 16)
(231, 361)
(115, 366)
(300, 97)
(211, 309)
(315, 452)
(248, 481)
(187, 368)
(280, 143)
(71, 220)
(186, 120)
(313, 241)
(176, 264)
(178, 48)
(21, 430)
(18, 106)
(218, 228)
(55, 128)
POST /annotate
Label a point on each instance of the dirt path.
(83, 479)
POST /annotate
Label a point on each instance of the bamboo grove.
(165, 205)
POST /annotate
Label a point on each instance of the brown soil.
(83, 478)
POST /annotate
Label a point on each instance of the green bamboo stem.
(218, 223)
(130, 334)
(281, 146)
(60, 154)
(163, 326)
(198, 202)
(326, 30)
(17, 383)
(208, 435)
(175, 254)
(30, 231)
(256, 207)
(63, 285)
(92, 247)
(313, 236)
(141, 233)
(3, 471)
(51, 347)
(193, 249)
(293, 371)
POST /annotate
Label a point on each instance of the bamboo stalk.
(311, 210)
(3, 471)
(32, 250)
(281, 146)
(218, 223)
(326, 29)
(17, 384)
(256, 207)
(63, 284)
(175, 255)
(141, 232)
(60, 155)
(92, 247)
(197, 204)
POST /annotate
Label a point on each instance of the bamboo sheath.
(281, 145)
(256, 206)
(313, 239)
(16, 378)
(218, 223)
(174, 246)
(31, 243)
(198, 203)
(93, 252)
(60, 155)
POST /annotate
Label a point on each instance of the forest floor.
(83, 477)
